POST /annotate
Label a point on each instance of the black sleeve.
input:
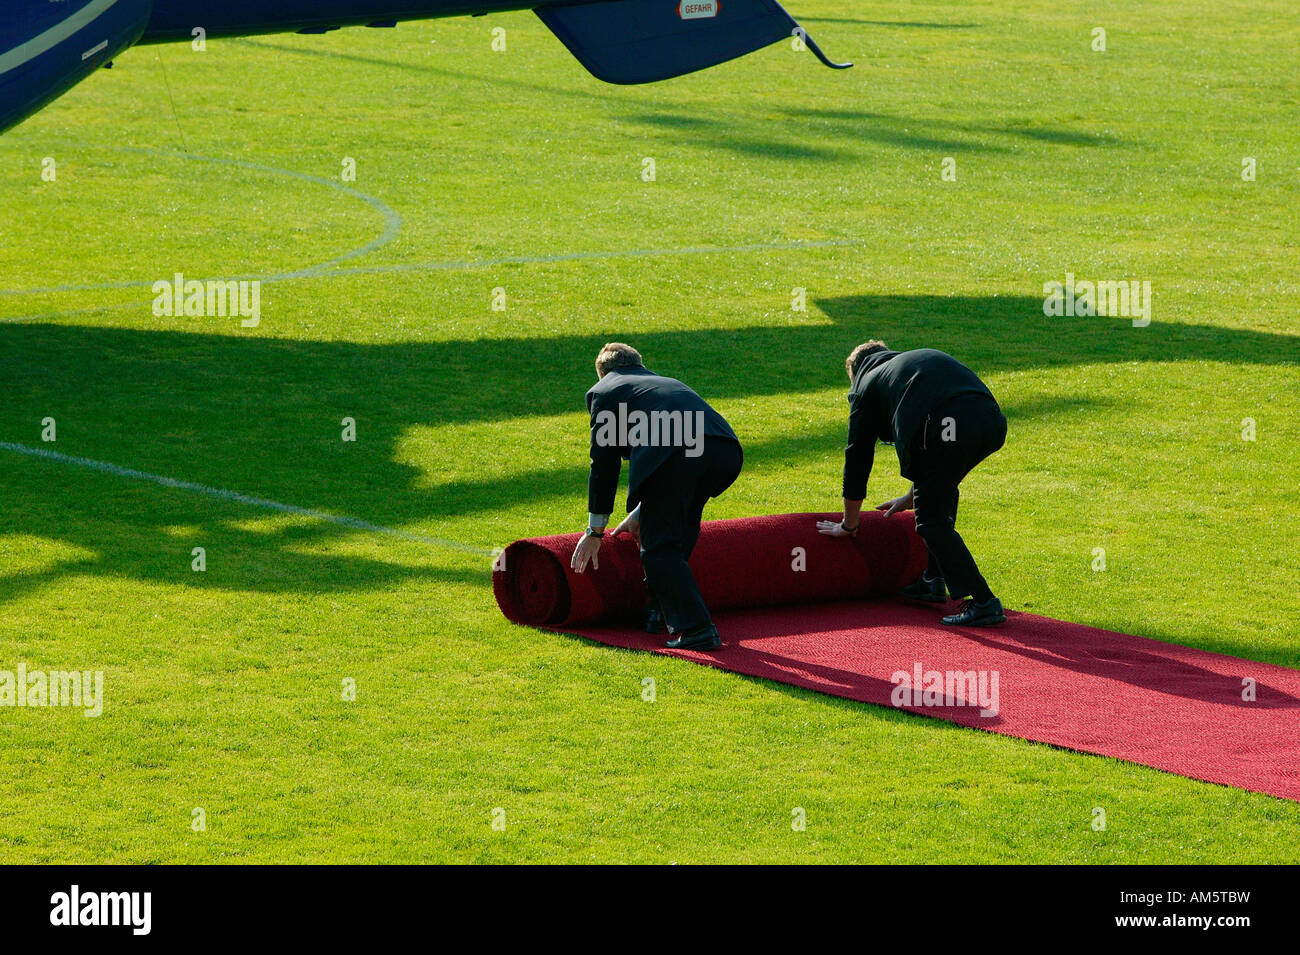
(606, 463)
(860, 451)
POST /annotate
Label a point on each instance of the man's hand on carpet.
(833, 529)
(632, 525)
(903, 503)
(587, 551)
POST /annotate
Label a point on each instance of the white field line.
(392, 225)
(355, 523)
(450, 265)
(328, 270)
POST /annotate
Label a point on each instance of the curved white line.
(26, 52)
(392, 224)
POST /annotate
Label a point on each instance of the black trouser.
(957, 435)
(672, 503)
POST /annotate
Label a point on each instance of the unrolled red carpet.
(797, 607)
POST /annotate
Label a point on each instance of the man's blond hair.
(862, 351)
(616, 355)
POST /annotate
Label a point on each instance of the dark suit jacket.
(892, 394)
(638, 389)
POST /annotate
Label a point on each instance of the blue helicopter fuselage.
(48, 46)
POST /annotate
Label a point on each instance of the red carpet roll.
(1204, 715)
(741, 564)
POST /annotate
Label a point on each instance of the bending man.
(680, 453)
(942, 421)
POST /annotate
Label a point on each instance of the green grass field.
(479, 171)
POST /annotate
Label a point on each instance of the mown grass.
(224, 687)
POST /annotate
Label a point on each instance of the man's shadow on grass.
(263, 416)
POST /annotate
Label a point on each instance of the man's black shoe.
(697, 638)
(929, 590)
(654, 622)
(973, 613)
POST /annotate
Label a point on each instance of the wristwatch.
(592, 533)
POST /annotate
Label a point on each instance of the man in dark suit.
(942, 421)
(680, 453)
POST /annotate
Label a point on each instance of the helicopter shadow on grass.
(261, 416)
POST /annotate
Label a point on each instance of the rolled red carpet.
(754, 562)
(1203, 715)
